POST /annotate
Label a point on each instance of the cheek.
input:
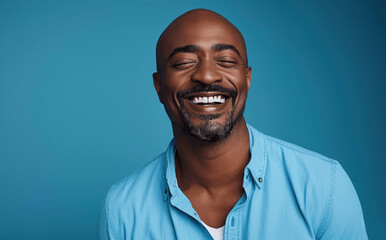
(238, 79)
(172, 83)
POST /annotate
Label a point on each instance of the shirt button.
(232, 221)
(260, 180)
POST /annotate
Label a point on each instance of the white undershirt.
(217, 233)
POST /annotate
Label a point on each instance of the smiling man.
(219, 177)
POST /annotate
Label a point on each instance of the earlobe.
(157, 85)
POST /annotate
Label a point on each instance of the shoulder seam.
(329, 204)
(299, 149)
(109, 222)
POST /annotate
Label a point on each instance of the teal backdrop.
(78, 111)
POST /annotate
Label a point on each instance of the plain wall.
(78, 111)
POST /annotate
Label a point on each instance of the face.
(203, 78)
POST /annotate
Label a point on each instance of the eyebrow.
(186, 49)
(221, 47)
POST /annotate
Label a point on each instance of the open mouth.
(207, 97)
(208, 100)
(204, 102)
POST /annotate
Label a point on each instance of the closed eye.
(227, 62)
(182, 64)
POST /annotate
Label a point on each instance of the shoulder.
(131, 192)
(323, 190)
(138, 184)
(127, 197)
(279, 154)
(307, 177)
(299, 159)
(307, 172)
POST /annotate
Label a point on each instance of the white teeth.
(211, 99)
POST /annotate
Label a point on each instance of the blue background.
(78, 111)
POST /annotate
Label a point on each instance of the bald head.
(194, 27)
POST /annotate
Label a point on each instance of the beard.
(210, 130)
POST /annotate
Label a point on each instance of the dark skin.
(203, 48)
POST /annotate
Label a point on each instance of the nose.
(206, 73)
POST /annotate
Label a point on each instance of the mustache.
(208, 88)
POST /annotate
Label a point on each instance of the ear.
(248, 76)
(157, 85)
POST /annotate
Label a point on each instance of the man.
(220, 178)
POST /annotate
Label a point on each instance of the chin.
(210, 129)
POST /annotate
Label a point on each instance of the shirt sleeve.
(104, 229)
(345, 220)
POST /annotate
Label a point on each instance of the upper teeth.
(214, 99)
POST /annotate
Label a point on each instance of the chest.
(252, 218)
(214, 209)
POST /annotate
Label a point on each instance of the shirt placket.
(233, 224)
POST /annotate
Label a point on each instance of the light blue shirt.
(290, 193)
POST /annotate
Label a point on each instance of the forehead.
(204, 32)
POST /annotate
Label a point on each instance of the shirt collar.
(258, 163)
(256, 166)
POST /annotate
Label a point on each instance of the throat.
(211, 174)
(215, 176)
(216, 166)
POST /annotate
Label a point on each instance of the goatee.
(210, 130)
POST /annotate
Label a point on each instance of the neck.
(212, 165)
